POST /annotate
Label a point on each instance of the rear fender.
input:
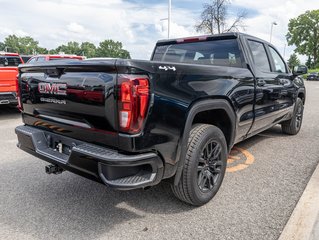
(206, 105)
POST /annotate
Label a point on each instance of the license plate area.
(61, 148)
(59, 144)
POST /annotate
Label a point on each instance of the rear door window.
(215, 52)
(259, 55)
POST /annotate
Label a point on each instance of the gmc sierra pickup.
(131, 123)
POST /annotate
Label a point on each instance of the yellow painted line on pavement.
(239, 159)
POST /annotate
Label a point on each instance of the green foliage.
(107, 48)
(88, 49)
(28, 46)
(69, 48)
(309, 62)
(293, 60)
(314, 70)
(303, 32)
(2, 46)
(110, 48)
(23, 45)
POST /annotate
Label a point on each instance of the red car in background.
(48, 57)
(8, 77)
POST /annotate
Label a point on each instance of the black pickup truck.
(131, 124)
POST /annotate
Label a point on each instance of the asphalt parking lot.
(265, 179)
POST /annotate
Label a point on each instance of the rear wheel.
(293, 125)
(205, 165)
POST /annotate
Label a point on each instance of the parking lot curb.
(304, 221)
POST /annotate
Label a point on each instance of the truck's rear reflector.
(133, 102)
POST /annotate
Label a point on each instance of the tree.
(2, 46)
(293, 60)
(303, 32)
(110, 48)
(107, 48)
(27, 45)
(88, 49)
(214, 18)
(70, 48)
(23, 45)
(309, 62)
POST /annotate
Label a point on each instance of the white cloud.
(280, 12)
(7, 31)
(54, 22)
(136, 25)
(76, 28)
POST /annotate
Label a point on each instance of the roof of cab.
(206, 37)
(8, 54)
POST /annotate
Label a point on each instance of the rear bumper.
(121, 171)
(8, 98)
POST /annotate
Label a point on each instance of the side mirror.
(300, 70)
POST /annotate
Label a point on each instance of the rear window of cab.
(10, 61)
(215, 52)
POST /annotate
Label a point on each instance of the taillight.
(133, 102)
(18, 93)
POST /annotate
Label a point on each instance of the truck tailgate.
(8, 76)
(72, 99)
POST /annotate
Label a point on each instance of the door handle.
(261, 83)
(284, 82)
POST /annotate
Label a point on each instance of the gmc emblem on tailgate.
(52, 88)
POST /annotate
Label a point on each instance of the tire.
(204, 167)
(292, 126)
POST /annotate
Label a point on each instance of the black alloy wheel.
(209, 166)
(204, 167)
(293, 125)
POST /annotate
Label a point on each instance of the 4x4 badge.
(166, 68)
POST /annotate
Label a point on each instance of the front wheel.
(204, 167)
(293, 125)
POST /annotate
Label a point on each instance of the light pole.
(284, 51)
(165, 19)
(272, 25)
(168, 18)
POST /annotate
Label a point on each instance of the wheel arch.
(212, 109)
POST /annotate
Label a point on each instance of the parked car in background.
(48, 57)
(313, 76)
(8, 77)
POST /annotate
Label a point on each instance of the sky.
(137, 23)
